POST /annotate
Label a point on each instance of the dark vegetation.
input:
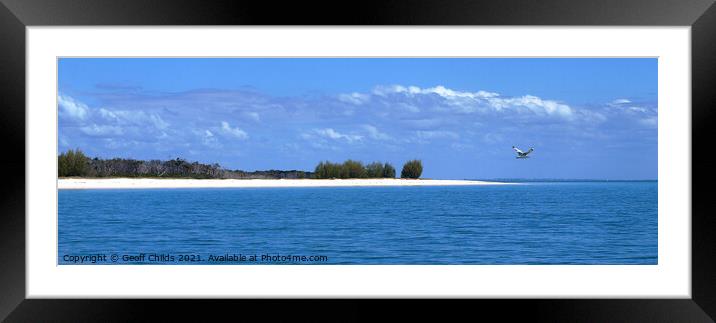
(354, 169)
(75, 163)
(412, 169)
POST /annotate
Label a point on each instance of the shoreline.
(142, 183)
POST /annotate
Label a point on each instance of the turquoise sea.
(528, 223)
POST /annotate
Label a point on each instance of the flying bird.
(522, 154)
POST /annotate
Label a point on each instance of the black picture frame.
(15, 15)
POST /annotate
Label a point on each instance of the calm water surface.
(533, 223)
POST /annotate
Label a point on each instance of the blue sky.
(586, 118)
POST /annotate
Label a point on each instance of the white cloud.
(157, 121)
(108, 114)
(208, 138)
(136, 118)
(354, 98)
(101, 130)
(72, 108)
(625, 105)
(439, 90)
(236, 132)
(650, 122)
(637, 109)
(253, 116)
(449, 94)
(375, 134)
(591, 116)
(471, 102)
(534, 104)
(335, 135)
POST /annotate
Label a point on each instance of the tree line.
(355, 169)
(74, 163)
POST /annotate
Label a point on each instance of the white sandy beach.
(124, 183)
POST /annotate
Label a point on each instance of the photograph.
(357, 161)
(538, 162)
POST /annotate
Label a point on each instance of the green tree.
(412, 169)
(325, 170)
(374, 170)
(321, 170)
(353, 169)
(333, 170)
(72, 163)
(388, 171)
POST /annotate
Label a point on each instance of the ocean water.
(530, 223)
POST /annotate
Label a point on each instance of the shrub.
(353, 169)
(321, 170)
(72, 163)
(374, 170)
(412, 169)
(388, 171)
(328, 170)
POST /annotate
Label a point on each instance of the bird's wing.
(517, 150)
(529, 151)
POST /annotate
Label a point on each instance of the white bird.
(522, 154)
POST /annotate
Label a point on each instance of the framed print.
(496, 155)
